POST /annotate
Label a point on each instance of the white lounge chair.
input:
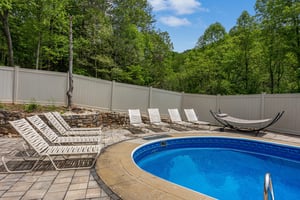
(176, 119)
(245, 125)
(192, 117)
(43, 128)
(69, 128)
(44, 150)
(135, 118)
(63, 131)
(155, 118)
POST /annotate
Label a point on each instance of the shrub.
(33, 106)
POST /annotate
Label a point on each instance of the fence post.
(67, 88)
(150, 97)
(218, 97)
(181, 102)
(262, 105)
(15, 85)
(112, 95)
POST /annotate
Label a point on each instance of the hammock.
(244, 124)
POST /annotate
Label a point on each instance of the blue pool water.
(224, 168)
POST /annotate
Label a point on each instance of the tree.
(5, 7)
(275, 47)
(214, 33)
(130, 21)
(70, 74)
(157, 53)
(243, 37)
(291, 13)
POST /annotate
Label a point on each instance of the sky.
(186, 20)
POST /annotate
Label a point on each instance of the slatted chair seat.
(192, 117)
(43, 149)
(53, 137)
(69, 128)
(71, 150)
(135, 118)
(57, 125)
(176, 119)
(155, 118)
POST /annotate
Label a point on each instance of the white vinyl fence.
(18, 85)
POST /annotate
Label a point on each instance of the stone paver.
(70, 184)
(57, 185)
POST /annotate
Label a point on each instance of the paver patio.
(71, 184)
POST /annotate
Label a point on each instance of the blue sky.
(186, 20)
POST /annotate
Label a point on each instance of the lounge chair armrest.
(222, 114)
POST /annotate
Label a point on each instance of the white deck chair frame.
(192, 117)
(176, 118)
(135, 118)
(57, 125)
(44, 150)
(155, 118)
(43, 128)
(68, 127)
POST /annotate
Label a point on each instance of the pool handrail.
(268, 187)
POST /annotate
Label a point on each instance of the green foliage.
(31, 107)
(116, 40)
(1, 106)
(51, 108)
(212, 34)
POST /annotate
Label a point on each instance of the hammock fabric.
(244, 124)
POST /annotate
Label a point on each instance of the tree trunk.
(70, 89)
(38, 52)
(4, 19)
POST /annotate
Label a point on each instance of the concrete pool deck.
(117, 170)
(119, 177)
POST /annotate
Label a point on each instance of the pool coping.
(127, 181)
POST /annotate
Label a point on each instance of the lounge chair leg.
(18, 171)
(71, 168)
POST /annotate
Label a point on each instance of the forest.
(117, 40)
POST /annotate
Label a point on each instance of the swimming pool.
(223, 168)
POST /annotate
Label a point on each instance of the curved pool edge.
(119, 172)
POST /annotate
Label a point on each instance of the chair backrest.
(30, 135)
(55, 123)
(174, 115)
(135, 116)
(37, 122)
(190, 115)
(61, 120)
(154, 115)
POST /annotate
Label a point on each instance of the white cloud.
(159, 5)
(174, 21)
(180, 7)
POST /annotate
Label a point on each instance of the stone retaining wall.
(94, 119)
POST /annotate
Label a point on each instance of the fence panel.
(290, 103)
(41, 87)
(127, 96)
(201, 104)
(163, 100)
(91, 92)
(241, 106)
(6, 84)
